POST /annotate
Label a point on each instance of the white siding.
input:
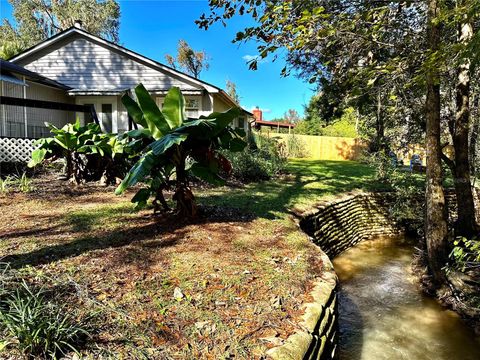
(82, 64)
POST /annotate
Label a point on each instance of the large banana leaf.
(222, 119)
(37, 157)
(139, 171)
(160, 146)
(174, 108)
(207, 174)
(208, 127)
(153, 116)
(138, 133)
(141, 198)
(134, 110)
(66, 140)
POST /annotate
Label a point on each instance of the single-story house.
(77, 67)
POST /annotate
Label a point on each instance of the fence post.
(25, 121)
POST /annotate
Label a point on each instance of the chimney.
(78, 24)
(257, 114)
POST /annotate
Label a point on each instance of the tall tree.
(189, 60)
(291, 116)
(37, 20)
(466, 223)
(231, 89)
(380, 53)
(435, 223)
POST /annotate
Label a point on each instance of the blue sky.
(154, 27)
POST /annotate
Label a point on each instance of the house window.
(159, 101)
(241, 123)
(15, 129)
(88, 116)
(107, 117)
(192, 107)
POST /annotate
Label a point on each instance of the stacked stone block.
(337, 226)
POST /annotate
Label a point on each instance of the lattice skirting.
(16, 149)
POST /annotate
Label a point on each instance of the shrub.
(408, 207)
(295, 147)
(10, 183)
(248, 165)
(36, 326)
(261, 160)
(466, 254)
(6, 185)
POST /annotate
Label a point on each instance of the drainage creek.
(383, 314)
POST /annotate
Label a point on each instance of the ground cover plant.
(38, 326)
(12, 183)
(230, 284)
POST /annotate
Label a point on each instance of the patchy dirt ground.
(229, 285)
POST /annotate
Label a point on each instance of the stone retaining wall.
(317, 339)
(337, 225)
(334, 226)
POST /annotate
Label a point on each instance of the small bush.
(12, 183)
(25, 184)
(296, 147)
(408, 207)
(261, 160)
(6, 185)
(37, 327)
(466, 254)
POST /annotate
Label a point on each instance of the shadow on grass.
(85, 227)
(112, 239)
(306, 183)
(77, 221)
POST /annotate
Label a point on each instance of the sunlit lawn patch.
(306, 182)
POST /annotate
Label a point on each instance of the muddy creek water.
(383, 314)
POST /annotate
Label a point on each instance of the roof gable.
(86, 62)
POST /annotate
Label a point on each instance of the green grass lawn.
(306, 183)
(119, 268)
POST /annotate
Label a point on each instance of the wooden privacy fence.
(325, 147)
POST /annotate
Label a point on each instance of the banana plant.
(88, 152)
(176, 147)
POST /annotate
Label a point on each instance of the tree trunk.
(159, 198)
(68, 165)
(435, 225)
(474, 137)
(379, 126)
(186, 204)
(466, 223)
